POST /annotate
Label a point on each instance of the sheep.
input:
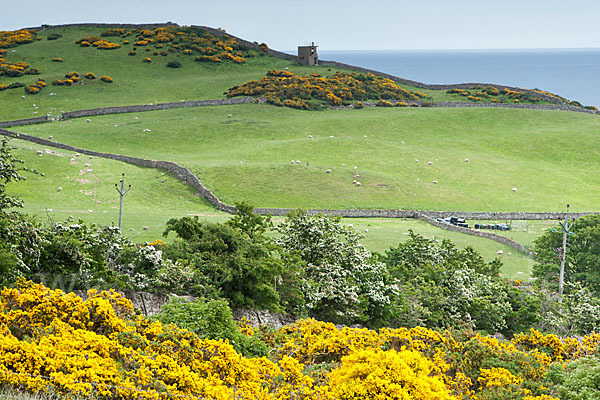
(435, 182)
(328, 171)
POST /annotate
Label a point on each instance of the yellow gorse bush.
(280, 86)
(50, 340)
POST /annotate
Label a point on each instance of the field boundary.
(90, 112)
(187, 177)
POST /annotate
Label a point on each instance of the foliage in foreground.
(59, 342)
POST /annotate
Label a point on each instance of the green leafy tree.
(342, 282)
(226, 262)
(582, 263)
(443, 286)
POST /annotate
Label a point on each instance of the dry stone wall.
(155, 107)
(26, 121)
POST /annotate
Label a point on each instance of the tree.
(227, 262)
(9, 172)
(342, 282)
(582, 262)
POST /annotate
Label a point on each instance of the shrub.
(90, 75)
(3, 86)
(106, 79)
(57, 59)
(15, 85)
(174, 64)
(147, 59)
(32, 89)
(54, 36)
(358, 105)
(72, 74)
(32, 71)
(210, 319)
(85, 44)
(164, 53)
(41, 83)
(126, 42)
(132, 53)
(384, 103)
(401, 104)
(187, 52)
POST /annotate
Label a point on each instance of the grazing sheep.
(88, 120)
(292, 162)
(466, 160)
(39, 152)
(435, 182)
(500, 252)
(298, 162)
(429, 163)
(514, 189)
(59, 189)
(416, 160)
(49, 137)
(358, 183)
(310, 136)
(328, 171)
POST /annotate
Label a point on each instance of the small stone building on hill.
(307, 55)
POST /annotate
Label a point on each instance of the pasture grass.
(135, 82)
(550, 157)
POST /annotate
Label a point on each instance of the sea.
(570, 73)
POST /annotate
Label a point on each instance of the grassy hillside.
(547, 155)
(89, 193)
(135, 81)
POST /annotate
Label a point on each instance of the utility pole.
(566, 231)
(123, 192)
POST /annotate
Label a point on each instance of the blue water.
(571, 73)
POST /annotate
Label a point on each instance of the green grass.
(135, 82)
(155, 197)
(549, 156)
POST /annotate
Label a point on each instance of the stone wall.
(158, 106)
(488, 235)
(474, 215)
(26, 121)
(180, 172)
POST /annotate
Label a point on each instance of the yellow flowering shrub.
(107, 79)
(337, 89)
(378, 374)
(99, 346)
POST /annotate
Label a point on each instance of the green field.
(156, 197)
(549, 156)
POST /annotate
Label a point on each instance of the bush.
(384, 103)
(131, 53)
(174, 64)
(107, 79)
(90, 75)
(147, 59)
(32, 71)
(32, 89)
(210, 319)
(57, 59)
(358, 105)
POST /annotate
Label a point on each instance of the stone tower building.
(307, 55)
